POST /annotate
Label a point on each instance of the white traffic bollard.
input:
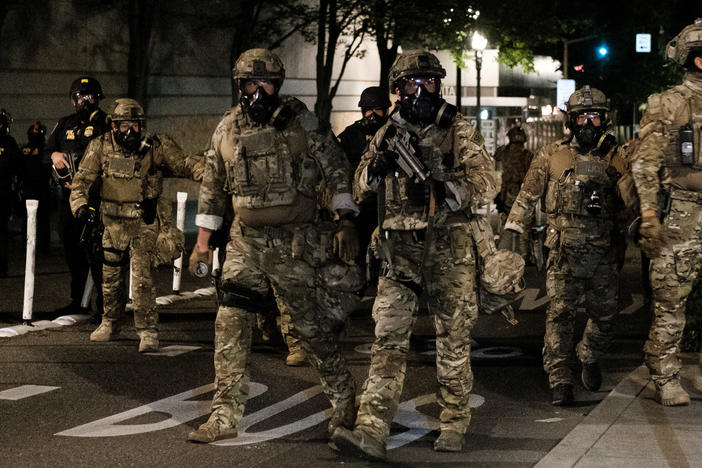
(89, 283)
(32, 206)
(182, 197)
(131, 280)
(215, 260)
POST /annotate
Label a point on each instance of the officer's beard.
(420, 108)
(373, 122)
(129, 140)
(587, 135)
(260, 105)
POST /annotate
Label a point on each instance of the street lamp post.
(478, 44)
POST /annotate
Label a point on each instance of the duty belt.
(272, 235)
(416, 235)
(686, 195)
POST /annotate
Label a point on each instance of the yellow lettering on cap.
(84, 80)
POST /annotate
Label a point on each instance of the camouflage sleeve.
(649, 156)
(325, 149)
(88, 172)
(177, 162)
(475, 185)
(362, 187)
(212, 199)
(534, 185)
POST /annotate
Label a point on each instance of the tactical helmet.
(587, 98)
(127, 109)
(36, 130)
(259, 64)
(5, 122)
(86, 85)
(516, 135)
(689, 38)
(414, 63)
(374, 98)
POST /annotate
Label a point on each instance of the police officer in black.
(10, 165)
(374, 104)
(66, 146)
(36, 177)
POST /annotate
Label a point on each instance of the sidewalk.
(630, 429)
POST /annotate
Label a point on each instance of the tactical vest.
(676, 108)
(268, 167)
(406, 200)
(127, 180)
(586, 186)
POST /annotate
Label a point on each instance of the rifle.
(399, 141)
(65, 174)
(538, 232)
(91, 234)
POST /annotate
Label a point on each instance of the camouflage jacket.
(127, 179)
(657, 160)
(456, 158)
(515, 160)
(571, 182)
(272, 173)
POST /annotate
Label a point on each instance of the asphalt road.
(67, 402)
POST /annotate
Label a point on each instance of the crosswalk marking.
(25, 391)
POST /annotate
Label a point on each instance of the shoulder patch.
(477, 138)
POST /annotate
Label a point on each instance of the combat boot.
(343, 416)
(591, 376)
(210, 432)
(107, 331)
(449, 441)
(296, 357)
(358, 444)
(148, 341)
(563, 395)
(671, 394)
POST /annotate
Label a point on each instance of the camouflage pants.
(317, 313)
(672, 276)
(453, 301)
(578, 275)
(124, 241)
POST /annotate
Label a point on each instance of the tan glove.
(652, 238)
(200, 263)
(346, 241)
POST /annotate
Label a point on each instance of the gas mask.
(373, 122)
(585, 131)
(85, 108)
(259, 105)
(129, 140)
(417, 105)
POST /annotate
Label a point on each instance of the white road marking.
(549, 420)
(496, 352)
(529, 299)
(177, 407)
(25, 391)
(174, 350)
(42, 325)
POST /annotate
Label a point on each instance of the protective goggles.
(84, 97)
(411, 83)
(593, 117)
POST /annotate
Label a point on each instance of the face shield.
(420, 100)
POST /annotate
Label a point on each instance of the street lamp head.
(478, 41)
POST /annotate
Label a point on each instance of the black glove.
(381, 164)
(83, 214)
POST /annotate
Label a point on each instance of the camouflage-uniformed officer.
(514, 160)
(130, 165)
(425, 243)
(578, 177)
(268, 155)
(667, 170)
